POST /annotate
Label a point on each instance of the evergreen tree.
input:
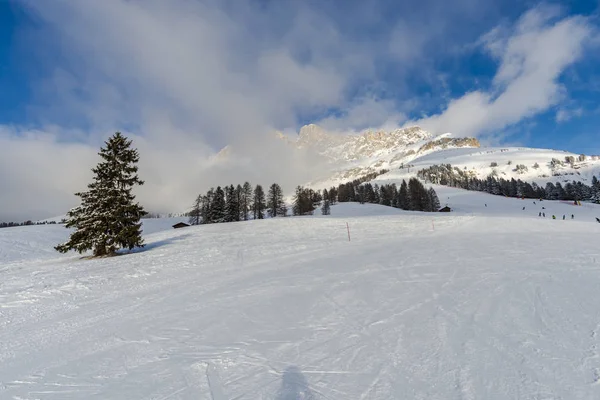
(326, 209)
(333, 195)
(245, 201)
(325, 195)
(275, 203)
(206, 207)
(232, 211)
(403, 199)
(434, 201)
(595, 190)
(258, 203)
(218, 207)
(108, 218)
(417, 194)
(195, 214)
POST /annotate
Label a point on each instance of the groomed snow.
(483, 303)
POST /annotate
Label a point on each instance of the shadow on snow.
(153, 245)
(294, 386)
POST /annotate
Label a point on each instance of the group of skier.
(543, 214)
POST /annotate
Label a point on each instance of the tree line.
(242, 202)
(411, 196)
(237, 203)
(25, 223)
(447, 175)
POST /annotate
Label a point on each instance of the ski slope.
(479, 162)
(484, 303)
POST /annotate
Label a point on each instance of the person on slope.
(554, 217)
(572, 216)
(563, 217)
(540, 214)
(544, 214)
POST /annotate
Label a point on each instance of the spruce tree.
(434, 201)
(258, 203)
(232, 212)
(326, 209)
(217, 209)
(195, 214)
(108, 218)
(403, 200)
(417, 194)
(297, 201)
(275, 202)
(595, 191)
(246, 201)
(206, 207)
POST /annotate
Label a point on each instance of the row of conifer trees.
(409, 196)
(242, 202)
(237, 203)
(447, 175)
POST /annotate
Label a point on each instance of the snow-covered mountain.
(405, 151)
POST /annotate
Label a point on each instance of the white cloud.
(532, 56)
(184, 78)
(363, 113)
(565, 114)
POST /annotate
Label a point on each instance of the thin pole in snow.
(432, 225)
(348, 228)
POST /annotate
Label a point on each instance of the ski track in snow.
(483, 307)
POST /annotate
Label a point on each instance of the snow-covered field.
(484, 303)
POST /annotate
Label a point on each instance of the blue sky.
(193, 76)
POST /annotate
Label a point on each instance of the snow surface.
(475, 160)
(483, 303)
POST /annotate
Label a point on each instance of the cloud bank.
(185, 78)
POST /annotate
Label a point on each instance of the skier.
(534, 202)
(563, 217)
(540, 214)
(523, 208)
(554, 217)
(598, 219)
(486, 204)
(572, 216)
(544, 214)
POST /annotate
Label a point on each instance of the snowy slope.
(32, 242)
(480, 160)
(485, 303)
(355, 155)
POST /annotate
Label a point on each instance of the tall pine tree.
(326, 208)
(217, 209)
(275, 204)
(434, 201)
(403, 200)
(246, 201)
(258, 203)
(195, 215)
(595, 191)
(232, 212)
(108, 218)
